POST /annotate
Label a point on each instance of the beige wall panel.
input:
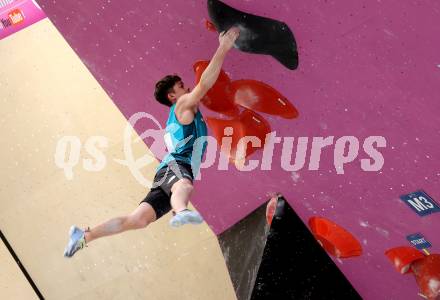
(13, 284)
(47, 93)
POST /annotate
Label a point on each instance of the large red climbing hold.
(336, 240)
(247, 131)
(225, 96)
(403, 257)
(218, 98)
(261, 97)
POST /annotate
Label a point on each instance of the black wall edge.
(20, 265)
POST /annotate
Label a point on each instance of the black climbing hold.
(258, 35)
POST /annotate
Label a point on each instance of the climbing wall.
(366, 69)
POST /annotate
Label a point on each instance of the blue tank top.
(185, 143)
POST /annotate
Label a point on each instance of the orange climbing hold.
(243, 130)
(403, 257)
(335, 239)
(261, 97)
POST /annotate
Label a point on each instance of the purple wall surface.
(366, 68)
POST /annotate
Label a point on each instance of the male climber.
(172, 185)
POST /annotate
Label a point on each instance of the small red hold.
(403, 257)
(210, 26)
(336, 240)
(426, 269)
(271, 209)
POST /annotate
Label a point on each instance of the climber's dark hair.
(164, 87)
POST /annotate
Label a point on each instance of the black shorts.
(159, 196)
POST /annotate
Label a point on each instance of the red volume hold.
(336, 240)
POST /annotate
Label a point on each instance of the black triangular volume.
(280, 261)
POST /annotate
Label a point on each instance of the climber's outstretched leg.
(143, 215)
